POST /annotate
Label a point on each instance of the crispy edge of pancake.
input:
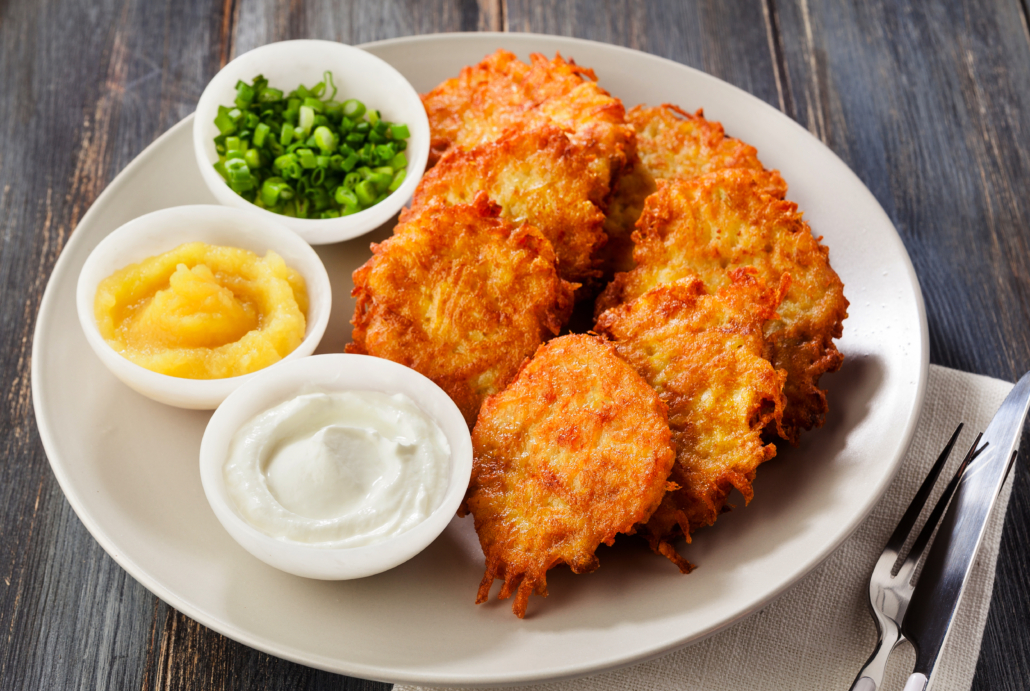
(670, 144)
(703, 353)
(536, 176)
(574, 451)
(719, 221)
(461, 296)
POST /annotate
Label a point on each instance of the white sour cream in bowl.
(336, 466)
(341, 469)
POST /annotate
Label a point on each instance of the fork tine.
(934, 518)
(912, 513)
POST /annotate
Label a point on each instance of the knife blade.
(950, 559)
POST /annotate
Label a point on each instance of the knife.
(946, 570)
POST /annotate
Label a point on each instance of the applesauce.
(203, 312)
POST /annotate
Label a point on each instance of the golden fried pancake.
(502, 92)
(703, 354)
(671, 144)
(706, 226)
(576, 450)
(461, 296)
(536, 176)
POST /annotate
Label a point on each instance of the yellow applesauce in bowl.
(203, 311)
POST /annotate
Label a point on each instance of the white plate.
(129, 465)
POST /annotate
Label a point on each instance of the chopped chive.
(349, 162)
(398, 180)
(305, 154)
(307, 158)
(399, 162)
(306, 119)
(224, 123)
(325, 139)
(253, 158)
(353, 109)
(260, 132)
(286, 134)
(270, 95)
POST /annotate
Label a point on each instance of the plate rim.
(366, 671)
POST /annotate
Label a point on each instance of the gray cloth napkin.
(819, 633)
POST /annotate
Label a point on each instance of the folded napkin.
(819, 633)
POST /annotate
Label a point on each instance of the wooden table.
(929, 103)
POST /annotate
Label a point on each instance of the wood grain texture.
(727, 40)
(926, 102)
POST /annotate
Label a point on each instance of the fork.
(889, 592)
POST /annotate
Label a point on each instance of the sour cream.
(338, 469)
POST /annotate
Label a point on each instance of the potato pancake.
(576, 450)
(536, 176)
(502, 92)
(671, 144)
(706, 226)
(461, 296)
(703, 354)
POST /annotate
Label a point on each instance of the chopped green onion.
(253, 158)
(307, 119)
(366, 193)
(399, 162)
(327, 77)
(223, 122)
(307, 158)
(349, 162)
(305, 154)
(270, 191)
(270, 95)
(398, 180)
(325, 139)
(244, 94)
(260, 132)
(353, 109)
(381, 178)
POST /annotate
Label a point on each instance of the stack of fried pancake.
(715, 313)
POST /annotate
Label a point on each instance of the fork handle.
(871, 675)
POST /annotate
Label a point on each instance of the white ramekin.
(333, 373)
(161, 231)
(357, 74)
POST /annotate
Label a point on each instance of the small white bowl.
(333, 373)
(357, 74)
(161, 231)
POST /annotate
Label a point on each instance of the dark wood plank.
(929, 104)
(728, 40)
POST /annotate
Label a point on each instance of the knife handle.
(916, 682)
